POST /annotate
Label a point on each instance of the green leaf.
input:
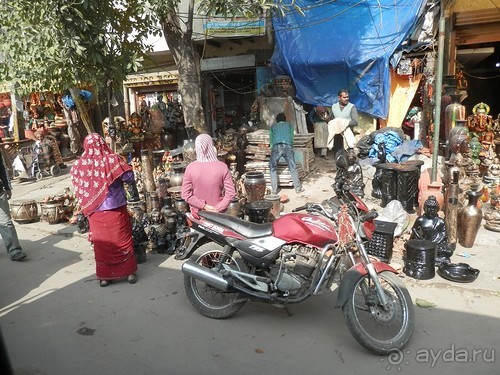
(424, 303)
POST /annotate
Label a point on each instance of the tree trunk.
(187, 62)
(84, 115)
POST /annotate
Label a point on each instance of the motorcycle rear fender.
(199, 240)
(353, 275)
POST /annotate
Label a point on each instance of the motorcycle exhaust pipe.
(206, 275)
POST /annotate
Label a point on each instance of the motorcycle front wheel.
(380, 330)
(208, 300)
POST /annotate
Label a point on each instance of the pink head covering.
(205, 149)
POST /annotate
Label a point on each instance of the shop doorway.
(480, 65)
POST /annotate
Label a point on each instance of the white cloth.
(340, 126)
(21, 168)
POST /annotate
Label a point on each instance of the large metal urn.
(255, 186)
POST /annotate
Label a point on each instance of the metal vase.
(177, 174)
(152, 202)
(469, 220)
(180, 205)
(451, 209)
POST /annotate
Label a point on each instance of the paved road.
(55, 319)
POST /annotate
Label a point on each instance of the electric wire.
(481, 78)
(311, 21)
(234, 90)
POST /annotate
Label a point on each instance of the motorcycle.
(293, 258)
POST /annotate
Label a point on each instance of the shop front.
(475, 55)
(230, 90)
(153, 110)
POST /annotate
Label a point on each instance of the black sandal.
(132, 279)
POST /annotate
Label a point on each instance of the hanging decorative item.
(405, 67)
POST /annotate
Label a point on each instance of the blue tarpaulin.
(343, 44)
(391, 141)
(69, 102)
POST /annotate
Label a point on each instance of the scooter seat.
(245, 228)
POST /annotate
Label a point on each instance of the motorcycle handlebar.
(315, 207)
(300, 208)
(368, 216)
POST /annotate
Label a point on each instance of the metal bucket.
(24, 211)
(419, 259)
(275, 199)
(52, 213)
(258, 211)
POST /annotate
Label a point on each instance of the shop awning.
(343, 45)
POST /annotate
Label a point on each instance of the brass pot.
(234, 208)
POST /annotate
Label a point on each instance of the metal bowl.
(458, 272)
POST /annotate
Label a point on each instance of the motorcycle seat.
(245, 228)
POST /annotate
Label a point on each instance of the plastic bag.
(395, 213)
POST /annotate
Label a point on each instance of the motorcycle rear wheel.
(377, 329)
(208, 300)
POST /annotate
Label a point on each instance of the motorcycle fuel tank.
(306, 229)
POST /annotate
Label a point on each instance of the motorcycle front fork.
(372, 273)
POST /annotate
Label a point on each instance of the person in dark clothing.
(7, 228)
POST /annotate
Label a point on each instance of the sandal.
(103, 283)
(132, 279)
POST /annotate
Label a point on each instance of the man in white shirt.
(343, 109)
